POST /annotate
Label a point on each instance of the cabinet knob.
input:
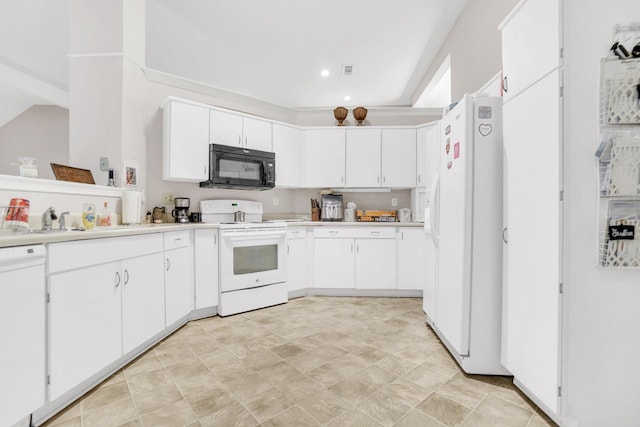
(168, 264)
(126, 276)
(117, 279)
(505, 235)
(505, 84)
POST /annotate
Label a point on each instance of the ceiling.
(273, 51)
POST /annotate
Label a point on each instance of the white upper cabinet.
(363, 158)
(185, 142)
(257, 134)
(530, 44)
(288, 144)
(324, 157)
(427, 140)
(398, 158)
(239, 131)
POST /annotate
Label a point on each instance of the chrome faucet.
(47, 218)
(61, 218)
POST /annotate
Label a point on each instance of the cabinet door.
(297, 264)
(256, 134)
(225, 128)
(22, 328)
(142, 300)
(185, 140)
(334, 263)
(430, 156)
(289, 148)
(399, 158)
(421, 156)
(411, 258)
(85, 324)
(324, 157)
(178, 282)
(531, 300)
(362, 158)
(206, 268)
(375, 263)
(530, 44)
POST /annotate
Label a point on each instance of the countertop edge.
(21, 239)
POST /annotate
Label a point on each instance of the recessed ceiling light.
(347, 98)
(324, 73)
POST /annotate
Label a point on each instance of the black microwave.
(240, 168)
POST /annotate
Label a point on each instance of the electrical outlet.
(104, 163)
(394, 201)
(167, 198)
(276, 201)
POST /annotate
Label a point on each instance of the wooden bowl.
(340, 113)
(360, 113)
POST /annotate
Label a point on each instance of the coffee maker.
(332, 208)
(181, 212)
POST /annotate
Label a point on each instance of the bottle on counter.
(88, 216)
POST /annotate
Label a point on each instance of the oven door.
(252, 257)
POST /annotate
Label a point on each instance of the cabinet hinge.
(561, 91)
(48, 379)
(561, 195)
(559, 391)
(561, 288)
(48, 297)
(561, 53)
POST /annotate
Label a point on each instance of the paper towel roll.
(131, 207)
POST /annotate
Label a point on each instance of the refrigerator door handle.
(434, 208)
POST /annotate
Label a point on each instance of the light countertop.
(10, 238)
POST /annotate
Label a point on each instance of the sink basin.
(52, 231)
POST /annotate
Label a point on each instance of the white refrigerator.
(465, 220)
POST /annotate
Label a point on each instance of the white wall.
(41, 132)
(601, 311)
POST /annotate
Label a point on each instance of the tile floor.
(313, 361)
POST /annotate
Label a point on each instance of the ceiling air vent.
(347, 70)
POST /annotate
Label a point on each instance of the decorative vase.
(360, 113)
(340, 113)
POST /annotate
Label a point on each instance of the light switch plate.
(104, 163)
(394, 201)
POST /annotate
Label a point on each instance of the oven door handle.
(258, 235)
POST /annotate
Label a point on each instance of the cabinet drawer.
(296, 233)
(177, 239)
(382, 232)
(84, 253)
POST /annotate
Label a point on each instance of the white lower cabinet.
(142, 300)
(358, 258)
(85, 324)
(206, 269)
(334, 263)
(375, 263)
(106, 297)
(296, 258)
(411, 258)
(178, 276)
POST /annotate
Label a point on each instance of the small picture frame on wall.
(130, 171)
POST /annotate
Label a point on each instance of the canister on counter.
(17, 214)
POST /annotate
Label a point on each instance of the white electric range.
(252, 256)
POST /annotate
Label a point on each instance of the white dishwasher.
(22, 332)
